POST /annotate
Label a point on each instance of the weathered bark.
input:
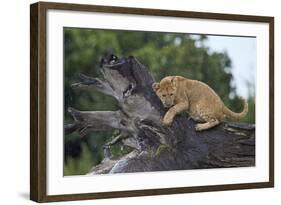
(139, 119)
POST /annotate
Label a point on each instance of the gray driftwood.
(155, 146)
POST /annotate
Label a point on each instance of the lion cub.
(195, 97)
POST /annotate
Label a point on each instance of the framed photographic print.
(134, 102)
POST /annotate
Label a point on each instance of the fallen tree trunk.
(139, 119)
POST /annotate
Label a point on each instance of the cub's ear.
(174, 81)
(155, 86)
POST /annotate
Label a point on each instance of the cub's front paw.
(167, 120)
(199, 127)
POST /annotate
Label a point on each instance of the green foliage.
(163, 54)
(119, 150)
(81, 166)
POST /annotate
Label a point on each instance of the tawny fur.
(180, 94)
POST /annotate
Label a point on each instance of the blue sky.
(242, 52)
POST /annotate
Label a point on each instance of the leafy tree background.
(162, 53)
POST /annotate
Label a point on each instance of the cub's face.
(166, 91)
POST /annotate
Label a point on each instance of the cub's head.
(166, 90)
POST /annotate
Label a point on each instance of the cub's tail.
(235, 115)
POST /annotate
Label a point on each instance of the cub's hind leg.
(208, 116)
(210, 122)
